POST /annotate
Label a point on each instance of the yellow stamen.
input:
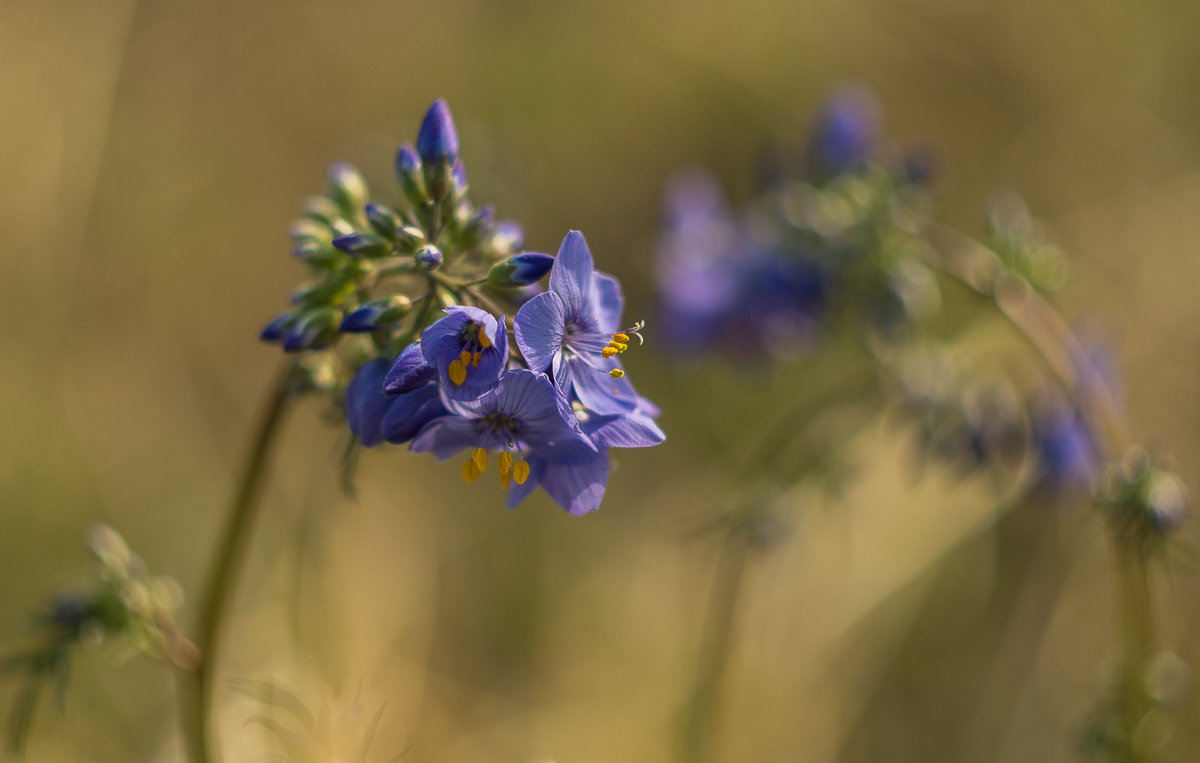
(458, 372)
(505, 478)
(475, 358)
(608, 352)
(465, 356)
(520, 472)
(505, 462)
(480, 459)
(470, 472)
(616, 373)
(620, 346)
(619, 337)
(483, 337)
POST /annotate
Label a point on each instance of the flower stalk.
(202, 741)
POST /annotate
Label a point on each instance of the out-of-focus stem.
(1043, 328)
(700, 715)
(196, 693)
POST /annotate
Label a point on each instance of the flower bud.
(507, 237)
(363, 245)
(437, 145)
(306, 227)
(437, 140)
(275, 330)
(458, 177)
(322, 209)
(410, 174)
(315, 252)
(347, 188)
(409, 238)
(313, 330)
(377, 314)
(429, 257)
(382, 220)
(478, 227)
(520, 270)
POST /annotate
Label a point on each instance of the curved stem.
(1040, 324)
(226, 567)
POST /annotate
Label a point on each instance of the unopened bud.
(377, 314)
(363, 245)
(348, 188)
(382, 220)
(520, 270)
(429, 257)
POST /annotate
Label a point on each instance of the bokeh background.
(152, 155)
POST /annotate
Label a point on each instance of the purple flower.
(1066, 453)
(375, 417)
(699, 272)
(523, 417)
(579, 488)
(567, 329)
(846, 131)
(469, 349)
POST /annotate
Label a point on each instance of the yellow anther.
(475, 358)
(520, 472)
(608, 352)
(465, 356)
(616, 373)
(505, 478)
(480, 459)
(458, 372)
(619, 337)
(620, 346)
(505, 462)
(484, 340)
(470, 472)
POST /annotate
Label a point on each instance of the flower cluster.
(545, 391)
(838, 239)
(120, 604)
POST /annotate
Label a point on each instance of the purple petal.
(625, 431)
(600, 392)
(446, 436)
(410, 412)
(518, 493)
(366, 404)
(409, 372)
(571, 277)
(610, 303)
(538, 327)
(578, 488)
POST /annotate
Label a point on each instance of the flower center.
(474, 340)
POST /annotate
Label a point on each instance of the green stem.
(700, 715)
(1137, 622)
(226, 566)
(1039, 323)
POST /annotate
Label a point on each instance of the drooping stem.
(196, 692)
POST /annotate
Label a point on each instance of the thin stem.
(700, 715)
(1040, 324)
(226, 568)
(1138, 630)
